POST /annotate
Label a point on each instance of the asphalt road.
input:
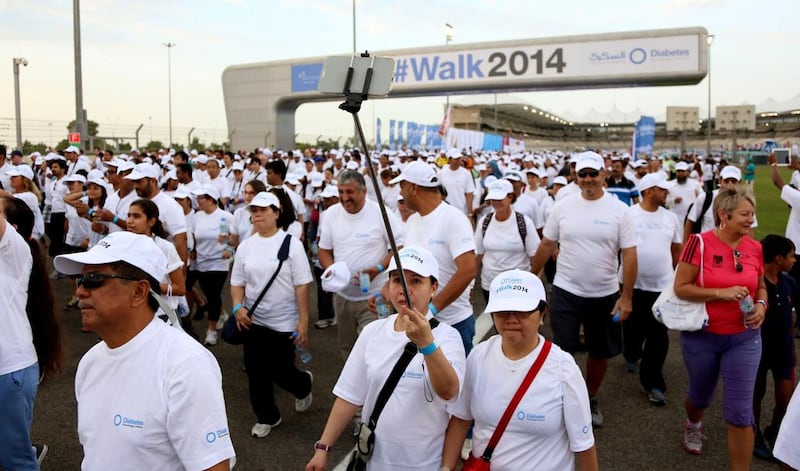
(636, 435)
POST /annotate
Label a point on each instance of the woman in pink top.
(729, 345)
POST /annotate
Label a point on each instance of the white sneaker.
(302, 405)
(222, 318)
(211, 338)
(262, 430)
(466, 449)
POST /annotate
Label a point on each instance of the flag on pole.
(445, 122)
(378, 135)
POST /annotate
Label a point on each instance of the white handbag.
(677, 313)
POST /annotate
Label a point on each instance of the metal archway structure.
(261, 98)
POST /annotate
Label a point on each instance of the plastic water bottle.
(302, 353)
(363, 281)
(314, 248)
(747, 307)
(223, 227)
(381, 307)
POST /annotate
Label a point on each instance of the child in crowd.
(776, 335)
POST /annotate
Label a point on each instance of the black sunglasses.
(503, 315)
(736, 258)
(588, 173)
(93, 280)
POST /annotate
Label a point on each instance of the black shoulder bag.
(365, 436)
(230, 331)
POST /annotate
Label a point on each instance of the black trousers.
(645, 338)
(55, 232)
(212, 283)
(269, 360)
(324, 298)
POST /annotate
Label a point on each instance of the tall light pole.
(81, 124)
(17, 61)
(710, 39)
(448, 37)
(169, 84)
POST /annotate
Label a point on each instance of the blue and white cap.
(417, 259)
(515, 291)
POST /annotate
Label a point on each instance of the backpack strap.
(522, 228)
(485, 224)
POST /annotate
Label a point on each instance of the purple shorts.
(736, 358)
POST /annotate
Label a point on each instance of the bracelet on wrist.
(432, 308)
(380, 268)
(428, 349)
(236, 308)
(762, 302)
(321, 446)
(116, 219)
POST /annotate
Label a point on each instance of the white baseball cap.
(639, 163)
(499, 190)
(418, 260)
(143, 171)
(512, 176)
(207, 190)
(589, 159)
(681, 166)
(335, 277)
(265, 199)
(560, 180)
(418, 173)
(181, 193)
(516, 291)
(654, 180)
(730, 171)
(72, 149)
(454, 153)
(76, 177)
(330, 191)
(135, 249)
(20, 171)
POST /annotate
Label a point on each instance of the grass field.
(771, 211)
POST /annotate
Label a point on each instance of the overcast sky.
(753, 58)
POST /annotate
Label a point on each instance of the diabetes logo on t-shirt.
(119, 420)
(212, 436)
(530, 416)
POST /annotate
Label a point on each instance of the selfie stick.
(352, 105)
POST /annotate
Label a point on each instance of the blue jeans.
(467, 330)
(17, 394)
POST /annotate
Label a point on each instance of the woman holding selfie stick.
(410, 431)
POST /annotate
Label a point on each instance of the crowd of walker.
(587, 240)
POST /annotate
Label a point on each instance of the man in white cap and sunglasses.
(590, 229)
(138, 390)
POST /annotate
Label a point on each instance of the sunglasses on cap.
(588, 173)
(94, 280)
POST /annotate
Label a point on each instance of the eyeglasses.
(94, 280)
(503, 315)
(588, 173)
(737, 259)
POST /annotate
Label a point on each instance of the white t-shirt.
(570, 189)
(360, 240)
(255, 262)
(458, 183)
(657, 231)
(171, 215)
(119, 206)
(552, 421)
(590, 234)
(546, 207)
(174, 262)
(222, 185)
(33, 203)
(241, 225)
(57, 190)
(139, 404)
(527, 206)
(209, 249)
(502, 248)
(786, 448)
(410, 430)
(687, 192)
(16, 340)
(792, 197)
(446, 233)
(78, 227)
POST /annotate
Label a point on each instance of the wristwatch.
(321, 446)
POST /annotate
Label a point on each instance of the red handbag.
(483, 463)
